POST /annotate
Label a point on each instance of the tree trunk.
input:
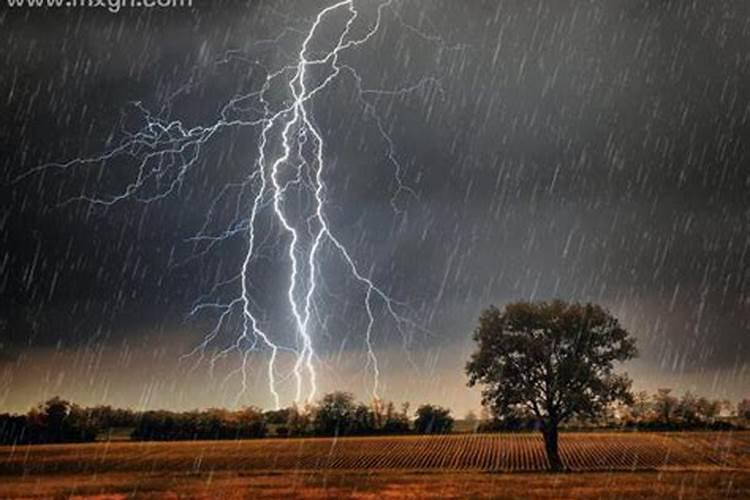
(550, 446)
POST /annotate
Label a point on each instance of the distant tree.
(57, 421)
(335, 414)
(106, 418)
(251, 423)
(433, 419)
(213, 423)
(277, 417)
(743, 409)
(665, 406)
(154, 426)
(54, 412)
(709, 409)
(687, 409)
(553, 360)
(299, 421)
(694, 411)
(77, 426)
(364, 420)
(641, 407)
(396, 422)
(15, 429)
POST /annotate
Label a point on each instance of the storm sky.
(588, 151)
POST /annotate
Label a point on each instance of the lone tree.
(551, 361)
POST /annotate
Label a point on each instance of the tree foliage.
(433, 419)
(665, 406)
(212, 423)
(337, 414)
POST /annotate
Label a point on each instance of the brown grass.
(679, 465)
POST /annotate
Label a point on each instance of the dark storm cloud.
(591, 151)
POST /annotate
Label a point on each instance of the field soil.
(601, 465)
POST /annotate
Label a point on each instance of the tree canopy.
(551, 360)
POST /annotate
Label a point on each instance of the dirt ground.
(375, 485)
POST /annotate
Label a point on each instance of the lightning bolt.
(166, 151)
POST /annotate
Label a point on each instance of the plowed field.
(471, 452)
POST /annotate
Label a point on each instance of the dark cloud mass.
(582, 150)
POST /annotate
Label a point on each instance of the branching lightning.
(288, 141)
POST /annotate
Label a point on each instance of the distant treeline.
(336, 414)
(659, 411)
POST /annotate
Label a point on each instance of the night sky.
(589, 151)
